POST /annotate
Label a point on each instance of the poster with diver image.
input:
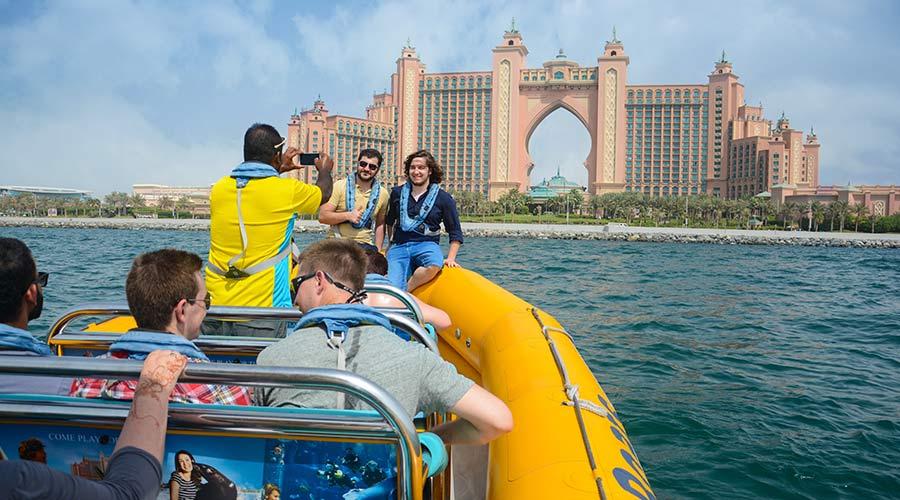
(201, 467)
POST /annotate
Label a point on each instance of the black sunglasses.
(355, 295)
(370, 166)
(42, 278)
(207, 301)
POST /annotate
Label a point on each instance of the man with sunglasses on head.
(168, 299)
(331, 274)
(358, 205)
(21, 301)
(252, 213)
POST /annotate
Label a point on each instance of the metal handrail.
(253, 376)
(400, 295)
(235, 313)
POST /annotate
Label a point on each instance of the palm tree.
(818, 213)
(860, 210)
(183, 203)
(595, 203)
(165, 203)
(839, 209)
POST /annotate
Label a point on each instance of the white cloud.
(103, 144)
(109, 85)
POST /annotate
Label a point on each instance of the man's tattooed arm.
(145, 427)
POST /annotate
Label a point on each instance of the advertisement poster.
(221, 468)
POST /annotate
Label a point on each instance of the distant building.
(152, 193)
(45, 192)
(552, 188)
(880, 200)
(658, 140)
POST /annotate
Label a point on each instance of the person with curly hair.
(416, 211)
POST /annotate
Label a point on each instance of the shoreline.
(530, 231)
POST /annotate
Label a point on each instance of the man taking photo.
(252, 213)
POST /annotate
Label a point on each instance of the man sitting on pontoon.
(331, 274)
(168, 299)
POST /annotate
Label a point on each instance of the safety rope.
(574, 401)
(572, 394)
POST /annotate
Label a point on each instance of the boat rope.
(571, 392)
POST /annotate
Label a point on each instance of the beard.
(364, 175)
(38, 306)
(422, 182)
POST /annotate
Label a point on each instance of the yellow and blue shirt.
(269, 207)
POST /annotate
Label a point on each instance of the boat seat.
(96, 338)
(305, 452)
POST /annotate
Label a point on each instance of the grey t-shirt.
(133, 474)
(417, 377)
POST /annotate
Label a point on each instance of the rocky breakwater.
(682, 235)
(134, 224)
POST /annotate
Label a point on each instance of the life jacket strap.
(336, 341)
(234, 272)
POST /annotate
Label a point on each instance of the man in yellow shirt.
(252, 213)
(358, 205)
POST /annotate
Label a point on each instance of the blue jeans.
(405, 258)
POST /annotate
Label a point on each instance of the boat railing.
(60, 326)
(392, 425)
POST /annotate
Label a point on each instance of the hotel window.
(558, 75)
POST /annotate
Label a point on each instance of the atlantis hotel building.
(656, 139)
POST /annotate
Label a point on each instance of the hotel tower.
(656, 139)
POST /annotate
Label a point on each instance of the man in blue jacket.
(416, 211)
(22, 300)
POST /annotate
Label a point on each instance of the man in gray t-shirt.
(418, 379)
(330, 272)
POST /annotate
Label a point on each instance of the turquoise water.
(739, 371)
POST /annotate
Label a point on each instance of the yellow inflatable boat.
(567, 440)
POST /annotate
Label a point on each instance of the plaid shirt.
(183, 393)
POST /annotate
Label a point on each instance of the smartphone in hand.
(308, 158)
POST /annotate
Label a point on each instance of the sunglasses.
(371, 166)
(355, 295)
(207, 301)
(42, 278)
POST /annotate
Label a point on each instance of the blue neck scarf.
(21, 340)
(252, 170)
(140, 343)
(365, 221)
(414, 224)
(341, 317)
(377, 279)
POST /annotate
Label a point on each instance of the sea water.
(738, 371)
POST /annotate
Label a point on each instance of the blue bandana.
(377, 279)
(21, 340)
(140, 343)
(252, 170)
(414, 224)
(341, 317)
(365, 221)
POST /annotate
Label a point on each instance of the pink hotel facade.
(654, 139)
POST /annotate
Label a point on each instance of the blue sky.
(99, 95)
